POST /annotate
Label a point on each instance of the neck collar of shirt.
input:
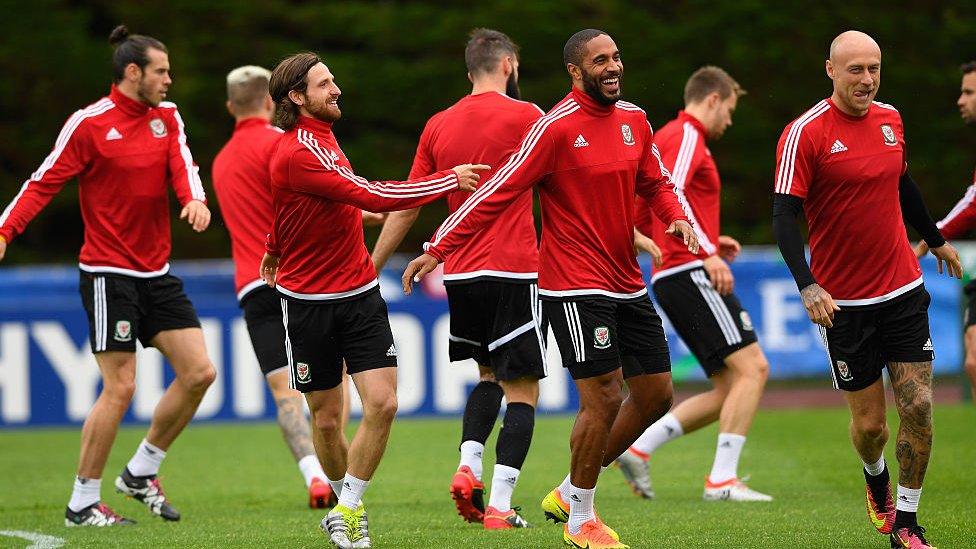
(127, 104)
(591, 106)
(251, 122)
(683, 116)
(843, 114)
(314, 124)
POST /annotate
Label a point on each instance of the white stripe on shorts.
(717, 305)
(535, 305)
(291, 363)
(571, 329)
(830, 361)
(101, 312)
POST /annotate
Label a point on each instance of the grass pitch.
(236, 486)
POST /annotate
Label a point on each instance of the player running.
(243, 186)
(330, 296)
(844, 164)
(695, 291)
(590, 155)
(491, 281)
(960, 220)
(125, 150)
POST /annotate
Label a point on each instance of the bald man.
(844, 164)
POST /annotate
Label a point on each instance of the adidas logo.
(575, 498)
(112, 135)
(670, 430)
(346, 485)
(903, 498)
(580, 142)
(837, 147)
(333, 156)
(725, 444)
(928, 345)
(392, 351)
(511, 480)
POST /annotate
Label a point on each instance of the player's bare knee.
(201, 377)
(524, 390)
(329, 425)
(381, 410)
(119, 391)
(918, 411)
(871, 427)
(970, 366)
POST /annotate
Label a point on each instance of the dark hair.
(131, 48)
(575, 47)
(290, 74)
(485, 49)
(710, 79)
(969, 67)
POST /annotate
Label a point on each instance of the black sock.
(481, 411)
(879, 485)
(905, 519)
(515, 436)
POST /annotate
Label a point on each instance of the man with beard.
(960, 220)
(125, 149)
(330, 298)
(491, 282)
(844, 164)
(695, 292)
(589, 156)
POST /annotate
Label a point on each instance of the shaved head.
(852, 43)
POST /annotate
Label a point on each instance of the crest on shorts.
(745, 320)
(158, 127)
(889, 135)
(627, 133)
(844, 371)
(123, 331)
(601, 337)
(302, 372)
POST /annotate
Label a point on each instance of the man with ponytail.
(125, 150)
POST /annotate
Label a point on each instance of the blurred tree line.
(399, 62)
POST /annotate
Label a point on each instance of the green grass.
(237, 486)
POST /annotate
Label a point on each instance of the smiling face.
(855, 68)
(601, 70)
(321, 98)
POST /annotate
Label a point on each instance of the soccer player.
(844, 164)
(125, 150)
(590, 155)
(695, 291)
(243, 185)
(330, 297)
(960, 220)
(491, 282)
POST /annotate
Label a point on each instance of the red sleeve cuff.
(432, 251)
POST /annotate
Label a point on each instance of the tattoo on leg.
(912, 384)
(295, 426)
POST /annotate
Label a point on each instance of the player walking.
(695, 291)
(243, 186)
(589, 155)
(491, 281)
(844, 164)
(960, 220)
(125, 150)
(331, 302)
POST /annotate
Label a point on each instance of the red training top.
(318, 218)
(589, 160)
(242, 181)
(124, 154)
(847, 170)
(962, 217)
(695, 178)
(484, 129)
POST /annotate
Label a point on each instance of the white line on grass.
(40, 540)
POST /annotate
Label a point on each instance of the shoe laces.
(918, 532)
(598, 531)
(110, 515)
(352, 522)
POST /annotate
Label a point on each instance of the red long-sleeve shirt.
(962, 217)
(696, 180)
(124, 154)
(590, 160)
(318, 203)
(484, 129)
(242, 181)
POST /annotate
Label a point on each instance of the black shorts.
(597, 335)
(262, 313)
(969, 315)
(865, 339)
(320, 335)
(713, 326)
(122, 309)
(499, 325)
